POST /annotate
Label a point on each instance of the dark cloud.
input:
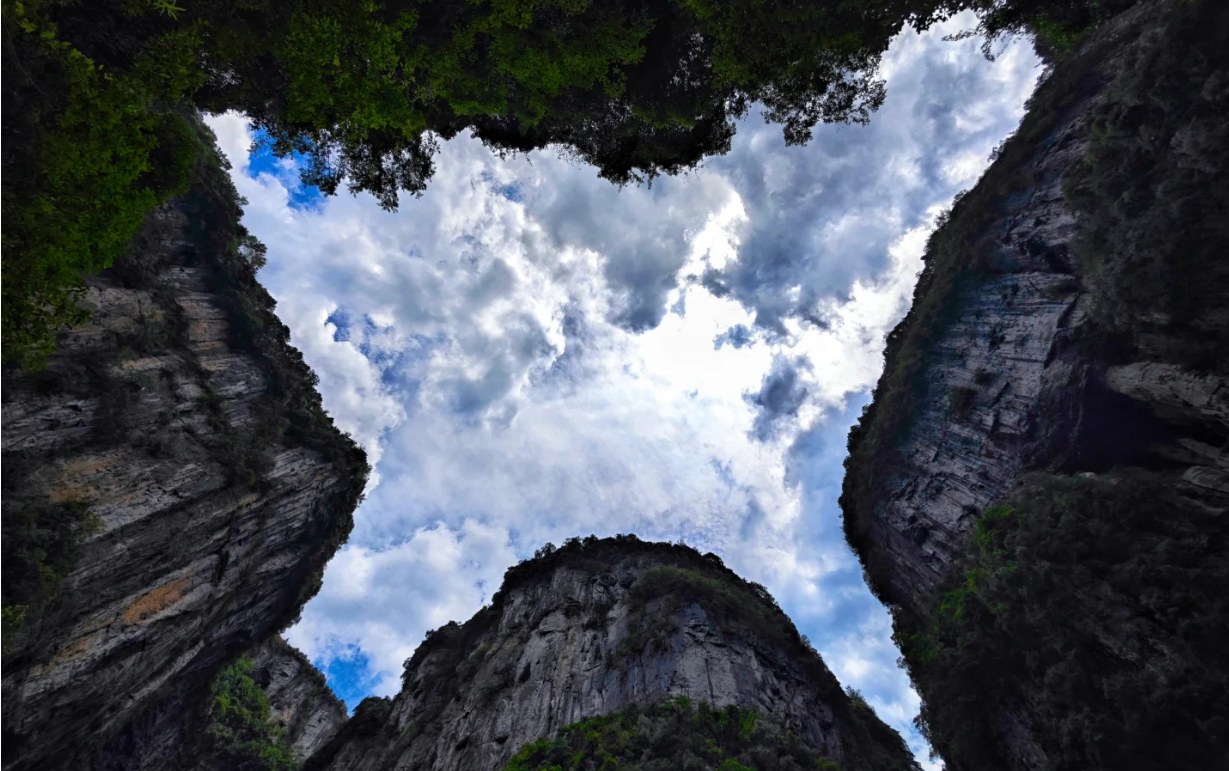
(643, 235)
(781, 395)
(737, 336)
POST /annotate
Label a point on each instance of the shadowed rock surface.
(172, 490)
(1071, 319)
(592, 629)
(301, 702)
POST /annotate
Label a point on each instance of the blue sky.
(528, 354)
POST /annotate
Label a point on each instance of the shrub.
(1093, 610)
(100, 151)
(240, 734)
(672, 735)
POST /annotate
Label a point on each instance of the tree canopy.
(634, 87)
(98, 95)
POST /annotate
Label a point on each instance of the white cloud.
(529, 353)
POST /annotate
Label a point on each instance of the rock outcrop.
(591, 629)
(172, 490)
(300, 701)
(1071, 318)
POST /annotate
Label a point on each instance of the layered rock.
(1071, 318)
(1019, 372)
(301, 702)
(595, 628)
(176, 456)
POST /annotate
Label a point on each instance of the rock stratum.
(301, 703)
(1040, 486)
(172, 490)
(595, 628)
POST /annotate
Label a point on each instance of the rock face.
(1047, 333)
(175, 456)
(592, 629)
(301, 701)
(1022, 373)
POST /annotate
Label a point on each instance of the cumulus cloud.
(781, 395)
(529, 353)
(823, 216)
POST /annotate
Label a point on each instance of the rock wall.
(175, 455)
(1019, 369)
(1071, 319)
(570, 636)
(301, 701)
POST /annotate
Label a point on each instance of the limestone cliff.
(594, 628)
(1071, 318)
(172, 490)
(302, 704)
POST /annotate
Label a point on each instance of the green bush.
(40, 545)
(240, 735)
(1152, 194)
(675, 734)
(100, 150)
(1093, 610)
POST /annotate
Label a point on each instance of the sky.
(529, 353)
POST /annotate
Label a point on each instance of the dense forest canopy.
(98, 97)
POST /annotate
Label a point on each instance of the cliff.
(599, 627)
(301, 703)
(1071, 320)
(172, 490)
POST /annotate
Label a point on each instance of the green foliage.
(95, 108)
(676, 734)
(40, 544)
(1056, 27)
(1094, 609)
(98, 151)
(240, 734)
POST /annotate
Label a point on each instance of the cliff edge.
(172, 491)
(1040, 485)
(598, 627)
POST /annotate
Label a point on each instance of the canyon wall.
(1071, 320)
(172, 490)
(595, 628)
(301, 703)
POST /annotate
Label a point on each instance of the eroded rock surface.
(301, 702)
(571, 636)
(1071, 319)
(182, 437)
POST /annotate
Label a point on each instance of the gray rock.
(569, 641)
(203, 523)
(300, 701)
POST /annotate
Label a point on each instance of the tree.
(635, 87)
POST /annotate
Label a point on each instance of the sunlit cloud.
(528, 354)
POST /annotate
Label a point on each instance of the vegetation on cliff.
(1085, 621)
(682, 576)
(240, 734)
(674, 735)
(97, 129)
(1152, 196)
(1150, 199)
(42, 532)
(1096, 607)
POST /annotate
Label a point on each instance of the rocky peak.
(593, 628)
(301, 702)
